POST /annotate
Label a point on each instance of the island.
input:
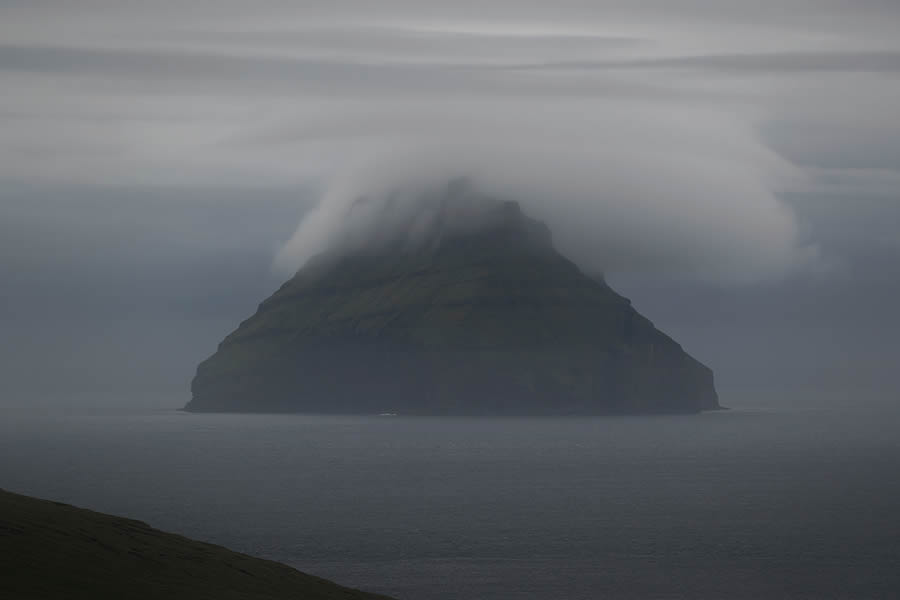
(470, 312)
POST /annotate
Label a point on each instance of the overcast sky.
(734, 167)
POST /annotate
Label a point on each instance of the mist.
(163, 169)
(494, 424)
(624, 188)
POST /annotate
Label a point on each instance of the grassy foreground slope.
(53, 550)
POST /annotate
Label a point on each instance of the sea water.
(727, 505)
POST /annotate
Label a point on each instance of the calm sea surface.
(728, 505)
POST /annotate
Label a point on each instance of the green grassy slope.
(53, 550)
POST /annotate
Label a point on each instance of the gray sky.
(733, 166)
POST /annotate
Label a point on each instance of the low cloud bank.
(625, 189)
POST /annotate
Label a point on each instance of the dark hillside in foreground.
(53, 550)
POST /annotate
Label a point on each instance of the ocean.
(739, 504)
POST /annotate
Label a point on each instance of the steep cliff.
(477, 314)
